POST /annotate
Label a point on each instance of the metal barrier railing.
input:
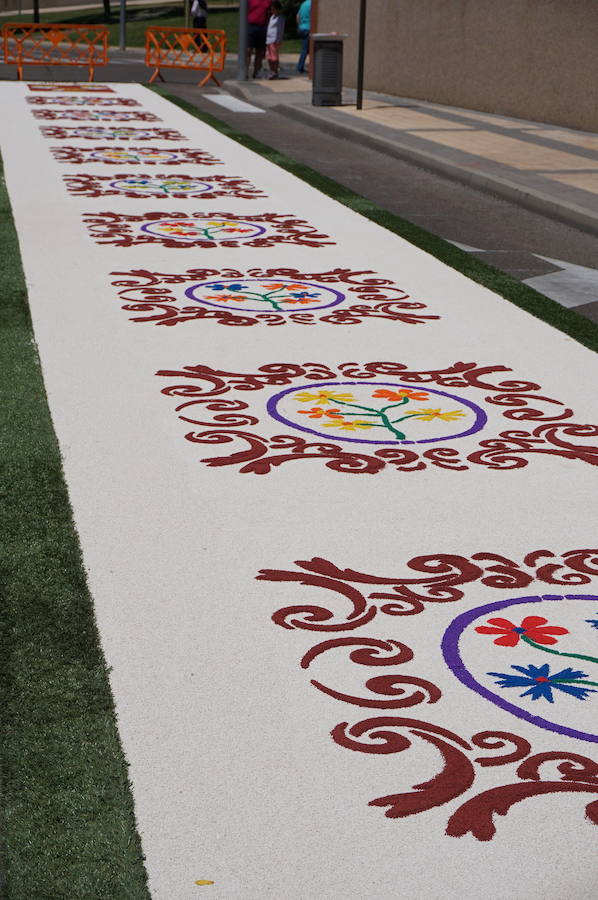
(55, 45)
(185, 48)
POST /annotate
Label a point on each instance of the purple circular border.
(452, 657)
(209, 187)
(265, 309)
(481, 417)
(198, 238)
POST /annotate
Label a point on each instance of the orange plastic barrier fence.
(185, 48)
(55, 45)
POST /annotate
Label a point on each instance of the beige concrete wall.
(533, 59)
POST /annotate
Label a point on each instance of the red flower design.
(400, 394)
(535, 628)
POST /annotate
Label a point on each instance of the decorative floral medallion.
(90, 133)
(352, 598)
(207, 228)
(392, 682)
(267, 296)
(69, 86)
(264, 295)
(178, 186)
(77, 100)
(378, 403)
(83, 115)
(541, 660)
(133, 155)
(375, 412)
(199, 229)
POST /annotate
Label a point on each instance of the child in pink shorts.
(274, 36)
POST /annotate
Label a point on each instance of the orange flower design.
(400, 394)
(316, 412)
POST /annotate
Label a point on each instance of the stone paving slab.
(548, 169)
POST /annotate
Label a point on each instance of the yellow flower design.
(428, 415)
(323, 397)
(348, 426)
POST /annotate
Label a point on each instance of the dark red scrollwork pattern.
(519, 402)
(405, 690)
(441, 580)
(389, 734)
(89, 132)
(85, 185)
(183, 156)
(579, 774)
(92, 101)
(116, 228)
(144, 292)
(86, 115)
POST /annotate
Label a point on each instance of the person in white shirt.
(274, 36)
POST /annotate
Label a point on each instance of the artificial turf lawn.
(541, 307)
(67, 826)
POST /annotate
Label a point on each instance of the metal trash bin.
(327, 69)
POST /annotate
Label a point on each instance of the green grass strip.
(566, 320)
(67, 826)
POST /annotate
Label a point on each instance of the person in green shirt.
(304, 28)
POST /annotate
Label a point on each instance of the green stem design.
(408, 416)
(265, 298)
(572, 681)
(380, 413)
(386, 423)
(558, 652)
(392, 405)
(391, 427)
(372, 412)
(207, 232)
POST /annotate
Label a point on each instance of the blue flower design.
(541, 683)
(228, 287)
(593, 622)
(303, 294)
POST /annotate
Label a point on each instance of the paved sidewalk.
(549, 169)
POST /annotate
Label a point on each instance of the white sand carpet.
(244, 374)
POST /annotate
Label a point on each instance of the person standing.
(199, 13)
(274, 36)
(258, 12)
(304, 28)
(199, 17)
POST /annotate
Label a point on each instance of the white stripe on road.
(233, 104)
